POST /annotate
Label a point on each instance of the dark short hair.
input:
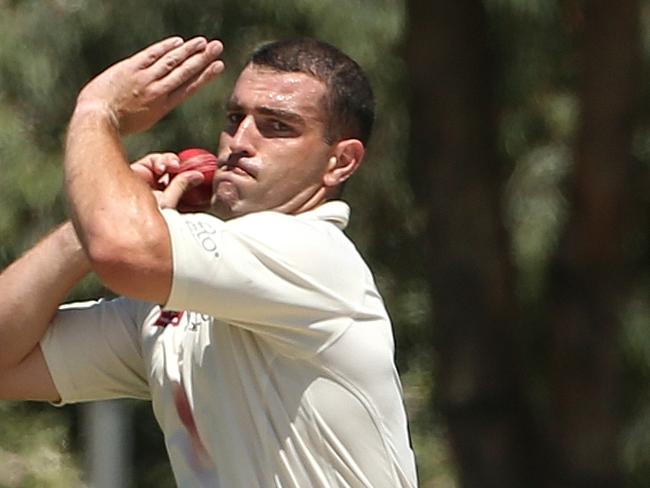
(349, 101)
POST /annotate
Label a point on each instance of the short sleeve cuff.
(174, 225)
(56, 364)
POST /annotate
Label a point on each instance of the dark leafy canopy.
(526, 119)
(528, 116)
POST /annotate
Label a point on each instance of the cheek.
(301, 157)
(294, 171)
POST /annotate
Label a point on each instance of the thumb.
(179, 185)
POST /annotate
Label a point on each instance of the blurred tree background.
(504, 207)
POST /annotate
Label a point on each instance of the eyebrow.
(287, 115)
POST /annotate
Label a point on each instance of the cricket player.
(253, 325)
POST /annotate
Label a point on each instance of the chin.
(227, 209)
(225, 202)
(224, 212)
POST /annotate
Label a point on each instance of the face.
(272, 151)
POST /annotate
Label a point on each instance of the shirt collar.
(334, 211)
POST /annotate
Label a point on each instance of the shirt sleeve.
(92, 350)
(296, 281)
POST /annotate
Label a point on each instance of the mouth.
(237, 166)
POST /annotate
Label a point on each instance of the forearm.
(32, 289)
(109, 204)
(111, 208)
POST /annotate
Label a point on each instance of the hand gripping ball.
(197, 160)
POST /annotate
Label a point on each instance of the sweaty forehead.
(259, 87)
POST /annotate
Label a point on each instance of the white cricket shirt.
(271, 365)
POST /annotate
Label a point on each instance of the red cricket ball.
(197, 159)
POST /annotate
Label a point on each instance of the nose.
(242, 141)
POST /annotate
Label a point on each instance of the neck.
(304, 203)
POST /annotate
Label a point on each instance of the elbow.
(10, 358)
(113, 243)
(106, 253)
(7, 363)
(114, 262)
(107, 261)
(128, 267)
(16, 339)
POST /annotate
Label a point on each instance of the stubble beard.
(225, 200)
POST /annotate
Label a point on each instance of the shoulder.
(312, 242)
(323, 223)
(294, 235)
(278, 226)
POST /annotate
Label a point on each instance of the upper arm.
(29, 380)
(93, 351)
(251, 268)
(268, 273)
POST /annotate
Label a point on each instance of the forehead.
(259, 87)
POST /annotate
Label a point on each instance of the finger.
(192, 67)
(158, 162)
(144, 161)
(144, 173)
(163, 181)
(174, 58)
(195, 83)
(162, 162)
(179, 185)
(153, 168)
(153, 53)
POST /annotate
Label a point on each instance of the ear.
(345, 160)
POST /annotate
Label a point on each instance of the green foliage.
(35, 450)
(435, 466)
(536, 45)
(48, 50)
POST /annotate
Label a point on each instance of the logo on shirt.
(205, 234)
(196, 320)
(168, 317)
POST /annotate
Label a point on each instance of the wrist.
(93, 111)
(71, 247)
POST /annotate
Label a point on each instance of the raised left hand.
(138, 91)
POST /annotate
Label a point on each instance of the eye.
(279, 126)
(233, 119)
(276, 128)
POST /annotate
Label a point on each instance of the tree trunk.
(588, 274)
(457, 175)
